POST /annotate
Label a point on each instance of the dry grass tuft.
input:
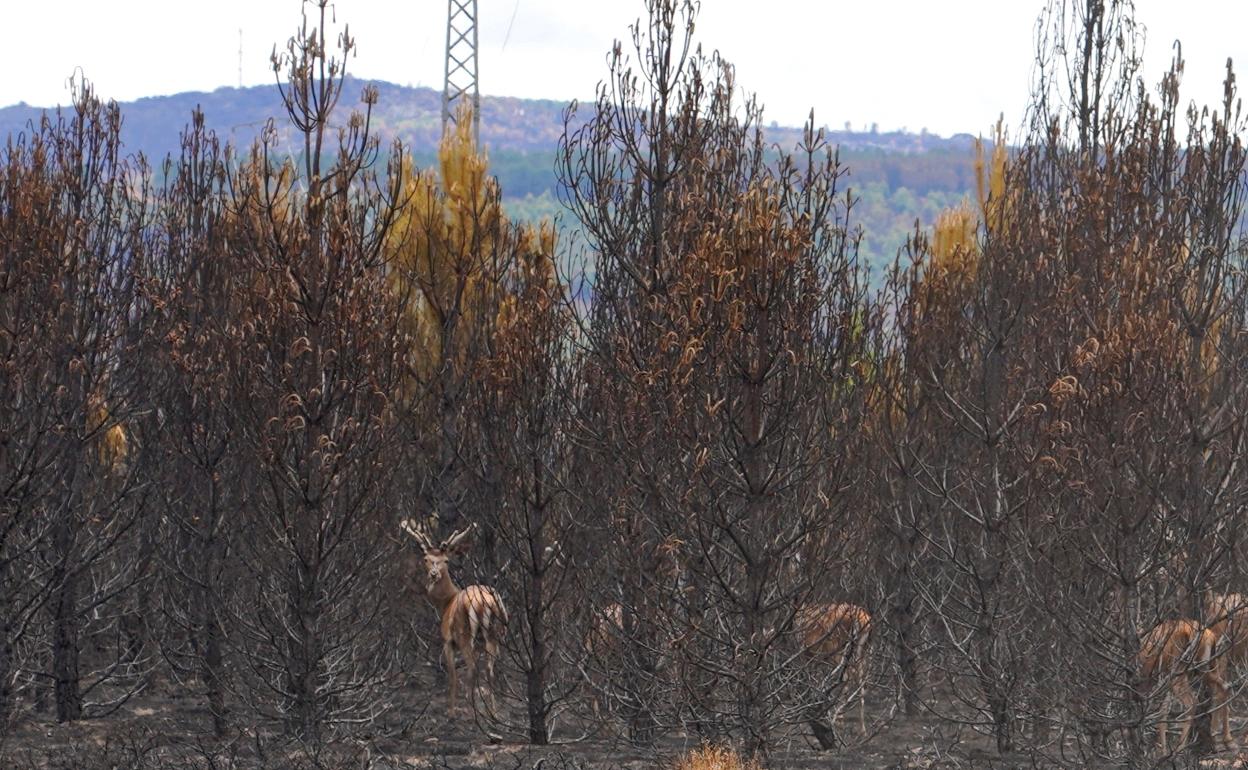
(715, 758)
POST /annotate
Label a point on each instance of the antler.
(456, 540)
(417, 532)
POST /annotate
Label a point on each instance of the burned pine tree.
(74, 311)
(728, 334)
(321, 367)
(200, 339)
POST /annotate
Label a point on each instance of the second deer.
(837, 635)
(1171, 655)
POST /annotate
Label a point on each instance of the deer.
(473, 620)
(601, 643)
(1178, 650)
(837, 634)
(604, 640)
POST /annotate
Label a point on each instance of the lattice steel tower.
(461, 65)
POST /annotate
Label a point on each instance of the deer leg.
(598, 703)
(470, 668)
(448, 658)
(1222, 707)
(491, 652)
(836, 713)
(1163, 723)
(1187, 699)
(860, 682)
(862, 707)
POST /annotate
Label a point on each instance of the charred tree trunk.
(757, 562)
(212, 671)
(7, 670)
(535, 677)
(638, 708)
(212, 660)
(65, 635)
(903, 621)
(825, 736)
(301, 657)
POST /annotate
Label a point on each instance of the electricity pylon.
(461, 65)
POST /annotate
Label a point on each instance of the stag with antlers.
(473, 619)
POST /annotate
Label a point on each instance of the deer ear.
(459, 543)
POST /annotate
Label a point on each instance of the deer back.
(474, 617)
(605, 626)
(1174, 646)
(1228, 620)
(831, 630)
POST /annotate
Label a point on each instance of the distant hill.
(899, 176)
(413, 115)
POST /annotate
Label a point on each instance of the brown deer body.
(1177, 650)
(1227, 615)
(604, 640)
(473, 619)
(837, 635)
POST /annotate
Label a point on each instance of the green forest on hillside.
(898, 177)
(893, 192)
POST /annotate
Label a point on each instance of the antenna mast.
(460, 83)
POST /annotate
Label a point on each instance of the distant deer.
(473, 620)
(604, 640)
(837, 635)
(1172, 653)
(601, 643)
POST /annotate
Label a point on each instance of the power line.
(507, 37)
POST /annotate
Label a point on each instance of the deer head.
(437, 558)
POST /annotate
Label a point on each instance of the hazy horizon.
(949, 68)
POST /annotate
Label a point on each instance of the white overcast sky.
(946, 65)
